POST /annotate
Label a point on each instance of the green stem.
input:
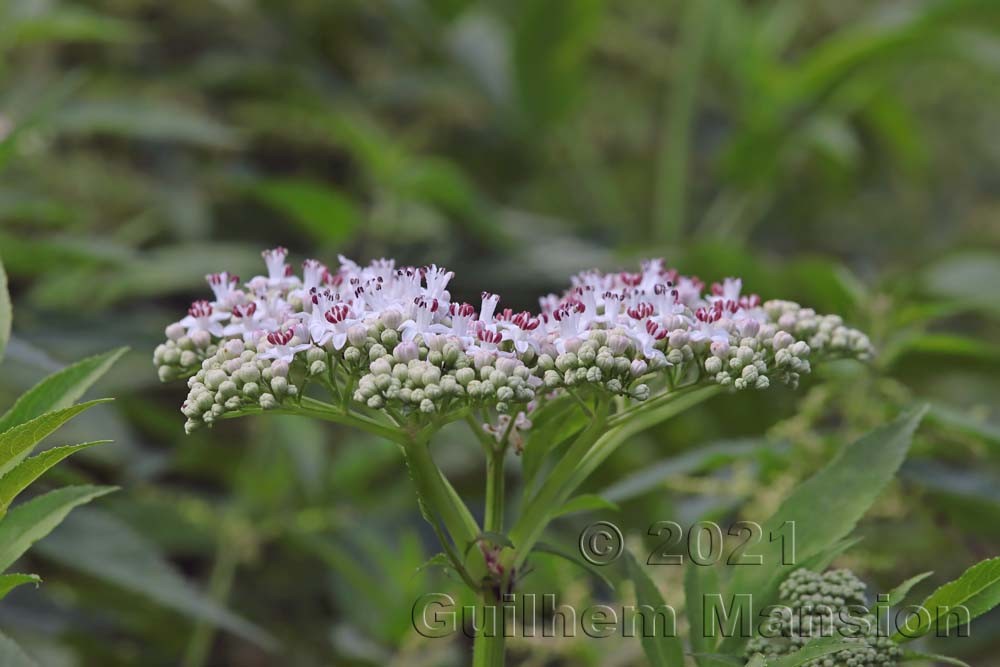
(493, 521)
(439, 499)
(489, 646)
(310, 407)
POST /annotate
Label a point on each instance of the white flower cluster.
(391, 338)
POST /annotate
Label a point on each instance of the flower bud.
(389, 337)
(678, 338)
(279, 386)
(175, 331)
(214, 378)
(713, 365)
(391, 318)
(618, 344)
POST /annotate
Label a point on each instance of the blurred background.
(842, 154)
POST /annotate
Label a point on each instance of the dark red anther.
(245, 311)
(200, 308)
(279, 337)
(655, 330)
(488, 336)
(462, 309)
(337, 313)
(641, 311)
(630, 279)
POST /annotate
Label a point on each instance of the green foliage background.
(843, 154)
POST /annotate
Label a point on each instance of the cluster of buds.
(234, 378)
(432, 374)
(391, 338)
(832, 604)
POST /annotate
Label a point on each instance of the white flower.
(282, 346)
(423, 320)
(339, 321)
(203, 316)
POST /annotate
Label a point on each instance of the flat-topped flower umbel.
(388, 351)
(391, 338)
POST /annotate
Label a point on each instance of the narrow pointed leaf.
(552, 550)
(59, 390)
(841, 493)
(977, 590)
(662, 651)
(814, 649)
(17, 442)
(31, 521)
(27, 471)
(585, 502)
(899, 593)
(9, 582)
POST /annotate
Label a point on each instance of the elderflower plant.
(384, 348)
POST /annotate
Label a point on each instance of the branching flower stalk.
(386, 350)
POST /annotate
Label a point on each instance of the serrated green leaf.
(585, 502)
(31, 521)
(841, 493)
(60, 390)
(9, 582)
(5, 311)
(12, 655)
(662, 651)
(102, 546)
(552, 550)
(17, 442)
(27, 471)
(978, 590)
